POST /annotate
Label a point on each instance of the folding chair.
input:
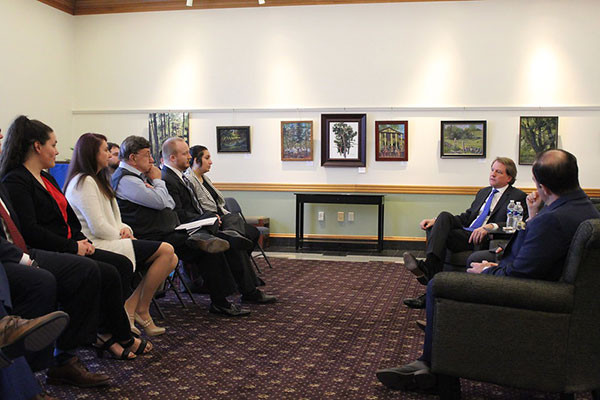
(234, 207)
(170, 285)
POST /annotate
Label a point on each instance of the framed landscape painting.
(536, 134)
(391, 140)
(296, 140)
(162, 126)
(233, 139)
(463, 139)
(343, 140)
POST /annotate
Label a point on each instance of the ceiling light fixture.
(189, 3)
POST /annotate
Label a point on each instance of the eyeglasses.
(144, 155)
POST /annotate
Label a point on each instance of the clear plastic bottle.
(510, 216)
(518, 215)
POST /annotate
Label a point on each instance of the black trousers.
(446, 233)
(88, 289)
(76, 283)
(242, 271)
(33, 294)
(212, 267)
(114, 270)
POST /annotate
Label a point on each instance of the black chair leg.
(187, 289)
(596, 394)
(264, 256)
(170, 280)
(255, 264)
(160, 311)
(449, 387)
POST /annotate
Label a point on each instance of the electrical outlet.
(340, 216)
(350, 216)
(321, 216)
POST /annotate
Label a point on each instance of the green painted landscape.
(537, 134)
(463, 140)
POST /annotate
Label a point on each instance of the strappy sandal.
(104, 345)
(140, 350)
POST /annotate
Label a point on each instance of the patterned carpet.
(334, 325)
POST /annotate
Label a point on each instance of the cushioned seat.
(522, 333)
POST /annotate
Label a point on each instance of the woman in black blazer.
(48, 222)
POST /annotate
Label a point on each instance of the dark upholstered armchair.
(522, 333)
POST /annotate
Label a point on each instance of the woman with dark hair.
(49, 223)
(89, 192)
(209, 196)
(212, 200)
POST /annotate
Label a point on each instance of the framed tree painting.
(162, 126)
(233, 139)
(391, 140)
(463, 139)
(343, 140)
(536, 134)
(296, 140)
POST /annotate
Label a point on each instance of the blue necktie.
(484, 213)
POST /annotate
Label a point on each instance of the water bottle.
(518, 215)
(510, 216)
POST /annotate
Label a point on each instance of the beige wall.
(36, 66)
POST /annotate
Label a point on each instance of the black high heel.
(105, 346)
(141, 347)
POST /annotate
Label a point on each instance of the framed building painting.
(391, 140)
(233, 139)
(343, 140)
(296, 140)
(536, 134)
(162, 126)
(463, 139)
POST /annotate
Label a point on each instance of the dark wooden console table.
(327, 198)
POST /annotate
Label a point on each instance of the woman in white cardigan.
(88, 190)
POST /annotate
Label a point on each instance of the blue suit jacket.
(540, 251)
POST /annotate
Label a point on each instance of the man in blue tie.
(469, 229)
(557, 207)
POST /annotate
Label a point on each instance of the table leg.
(380, 228)
(297, 241)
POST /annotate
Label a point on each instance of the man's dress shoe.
(416, 302)
(232, 311)
(258, 297)
(207, 243)
(235, 240)
(20, 336)
(416, 375)
(416, 267)
(73, 372)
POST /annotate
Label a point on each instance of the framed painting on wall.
(463, 139)
(233, 139)
(391, 140)
(296, 140)
(162, 126)
(343, 140)
(536, 134)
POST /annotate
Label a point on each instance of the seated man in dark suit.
(147, 208)
(465, 231)
(19, 337)
(538, 252)
(176, 158)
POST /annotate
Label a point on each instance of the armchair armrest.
(528, 294)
